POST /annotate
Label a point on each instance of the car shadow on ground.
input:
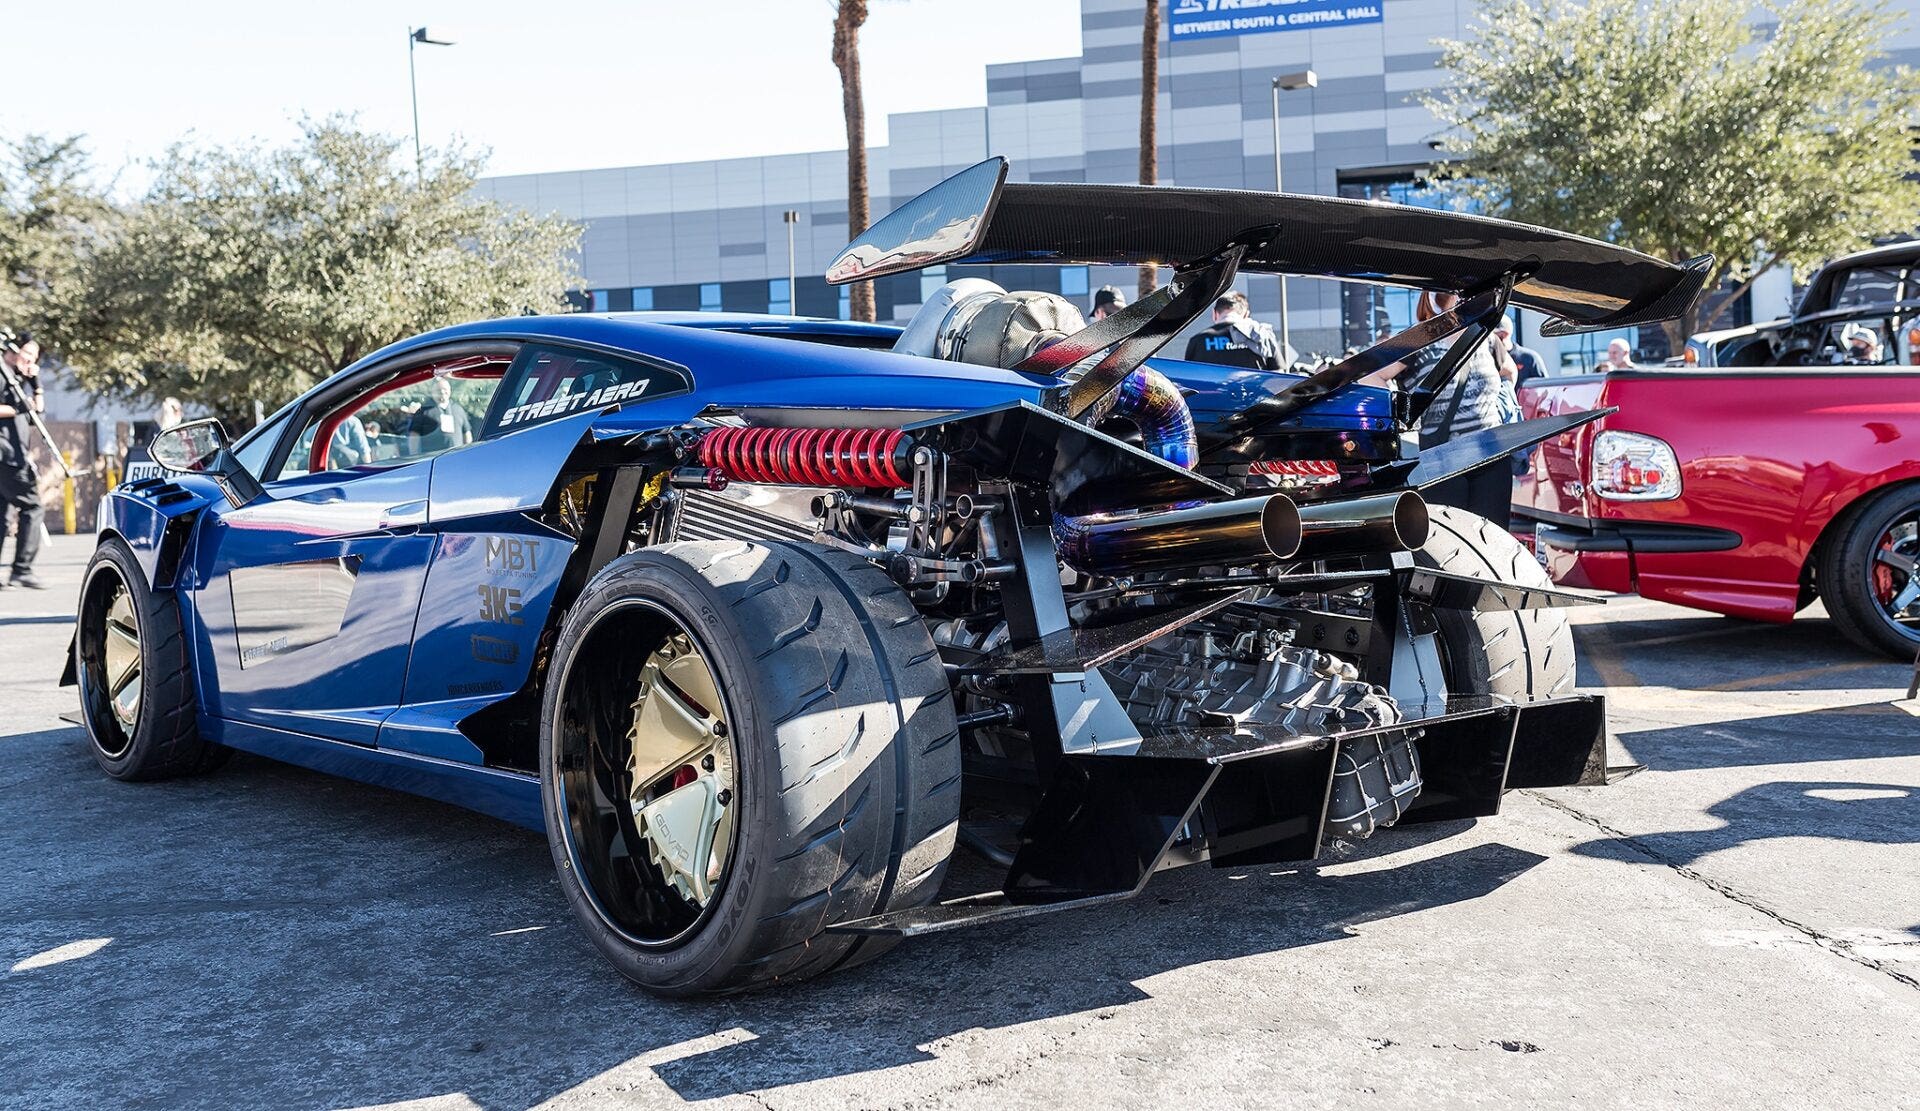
(1728, 654)
(1864, 731)
(397, 949)
(1871, 813)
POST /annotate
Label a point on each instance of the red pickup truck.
(1747, 490)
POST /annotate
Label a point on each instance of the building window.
(599, 300)
(643, 298)
(779, 297)
(1371, 313)
(931, 279)
(1073, 281)
(710, 297)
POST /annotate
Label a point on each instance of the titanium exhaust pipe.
(1227, 533)
(1241, 532)
(1396, 522)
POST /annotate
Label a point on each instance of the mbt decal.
(514, 555)
(571, 403)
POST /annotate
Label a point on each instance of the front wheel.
(1867, 573)
(741, 745)
(136, 674)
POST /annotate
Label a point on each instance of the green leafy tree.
(50, 214)
(251, 274)
(1761, 132)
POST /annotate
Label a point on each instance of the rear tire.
(847, 766)
(140, 713)
(1856, 583)
(1518, 654)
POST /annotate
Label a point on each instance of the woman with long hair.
(1480, 395)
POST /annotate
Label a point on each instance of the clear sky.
(544, 86)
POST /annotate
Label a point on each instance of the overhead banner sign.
(1205, 19)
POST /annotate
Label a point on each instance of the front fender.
(155, 517)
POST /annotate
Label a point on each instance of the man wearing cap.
(1526, 358)
(1861, 344)
(1235, 339)
(1107, 300)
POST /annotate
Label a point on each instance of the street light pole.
(418, 35)
(792, 219)
(1304, 79)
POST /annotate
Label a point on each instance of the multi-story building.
(717, 235)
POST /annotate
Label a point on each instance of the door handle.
(407, 517)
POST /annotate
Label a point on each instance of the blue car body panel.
(351, 621)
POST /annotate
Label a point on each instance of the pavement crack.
(1838, 946)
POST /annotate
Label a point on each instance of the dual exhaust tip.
(1264, 529)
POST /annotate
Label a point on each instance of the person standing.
(1619, 356)
(1107, 301)
(439, 424)
(1478, 396)
(170, 413)
(1525, 359)
(1235, 339)
(19, 481)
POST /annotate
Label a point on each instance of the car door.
(307, 596)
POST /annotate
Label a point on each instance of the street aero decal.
(554, 406)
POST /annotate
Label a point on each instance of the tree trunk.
(1150, 119)
(846, 58)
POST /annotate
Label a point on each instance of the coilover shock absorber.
(869, 458)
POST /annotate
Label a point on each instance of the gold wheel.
(681, 770)
(121, 650)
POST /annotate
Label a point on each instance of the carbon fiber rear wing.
(978, 217)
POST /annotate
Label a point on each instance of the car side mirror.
(200, 447)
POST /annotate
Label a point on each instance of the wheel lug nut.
(719, 728)
(706, 762)
(725, 797)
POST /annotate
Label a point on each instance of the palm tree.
(846, 58)
(1150, 118)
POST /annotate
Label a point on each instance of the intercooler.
(747, 512)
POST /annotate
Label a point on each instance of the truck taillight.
(1630, 467)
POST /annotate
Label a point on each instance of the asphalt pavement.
(1737, 926)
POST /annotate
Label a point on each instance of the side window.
(420, 411)
(1866, 286)
(546, 383)
(258, 448)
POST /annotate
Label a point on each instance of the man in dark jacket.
(19, 482)
(1235, 338)
(1526, 358)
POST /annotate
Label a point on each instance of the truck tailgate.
(1555, 480)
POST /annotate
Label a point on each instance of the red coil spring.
(1310, 468)
(862, 457)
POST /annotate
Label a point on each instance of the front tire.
(1518, 654)
(842, 767)
(135, 674)
(1867, 573)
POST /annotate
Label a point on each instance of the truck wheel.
(1521, 654)
(1867, 574)
(136, 674)
(741, 745)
